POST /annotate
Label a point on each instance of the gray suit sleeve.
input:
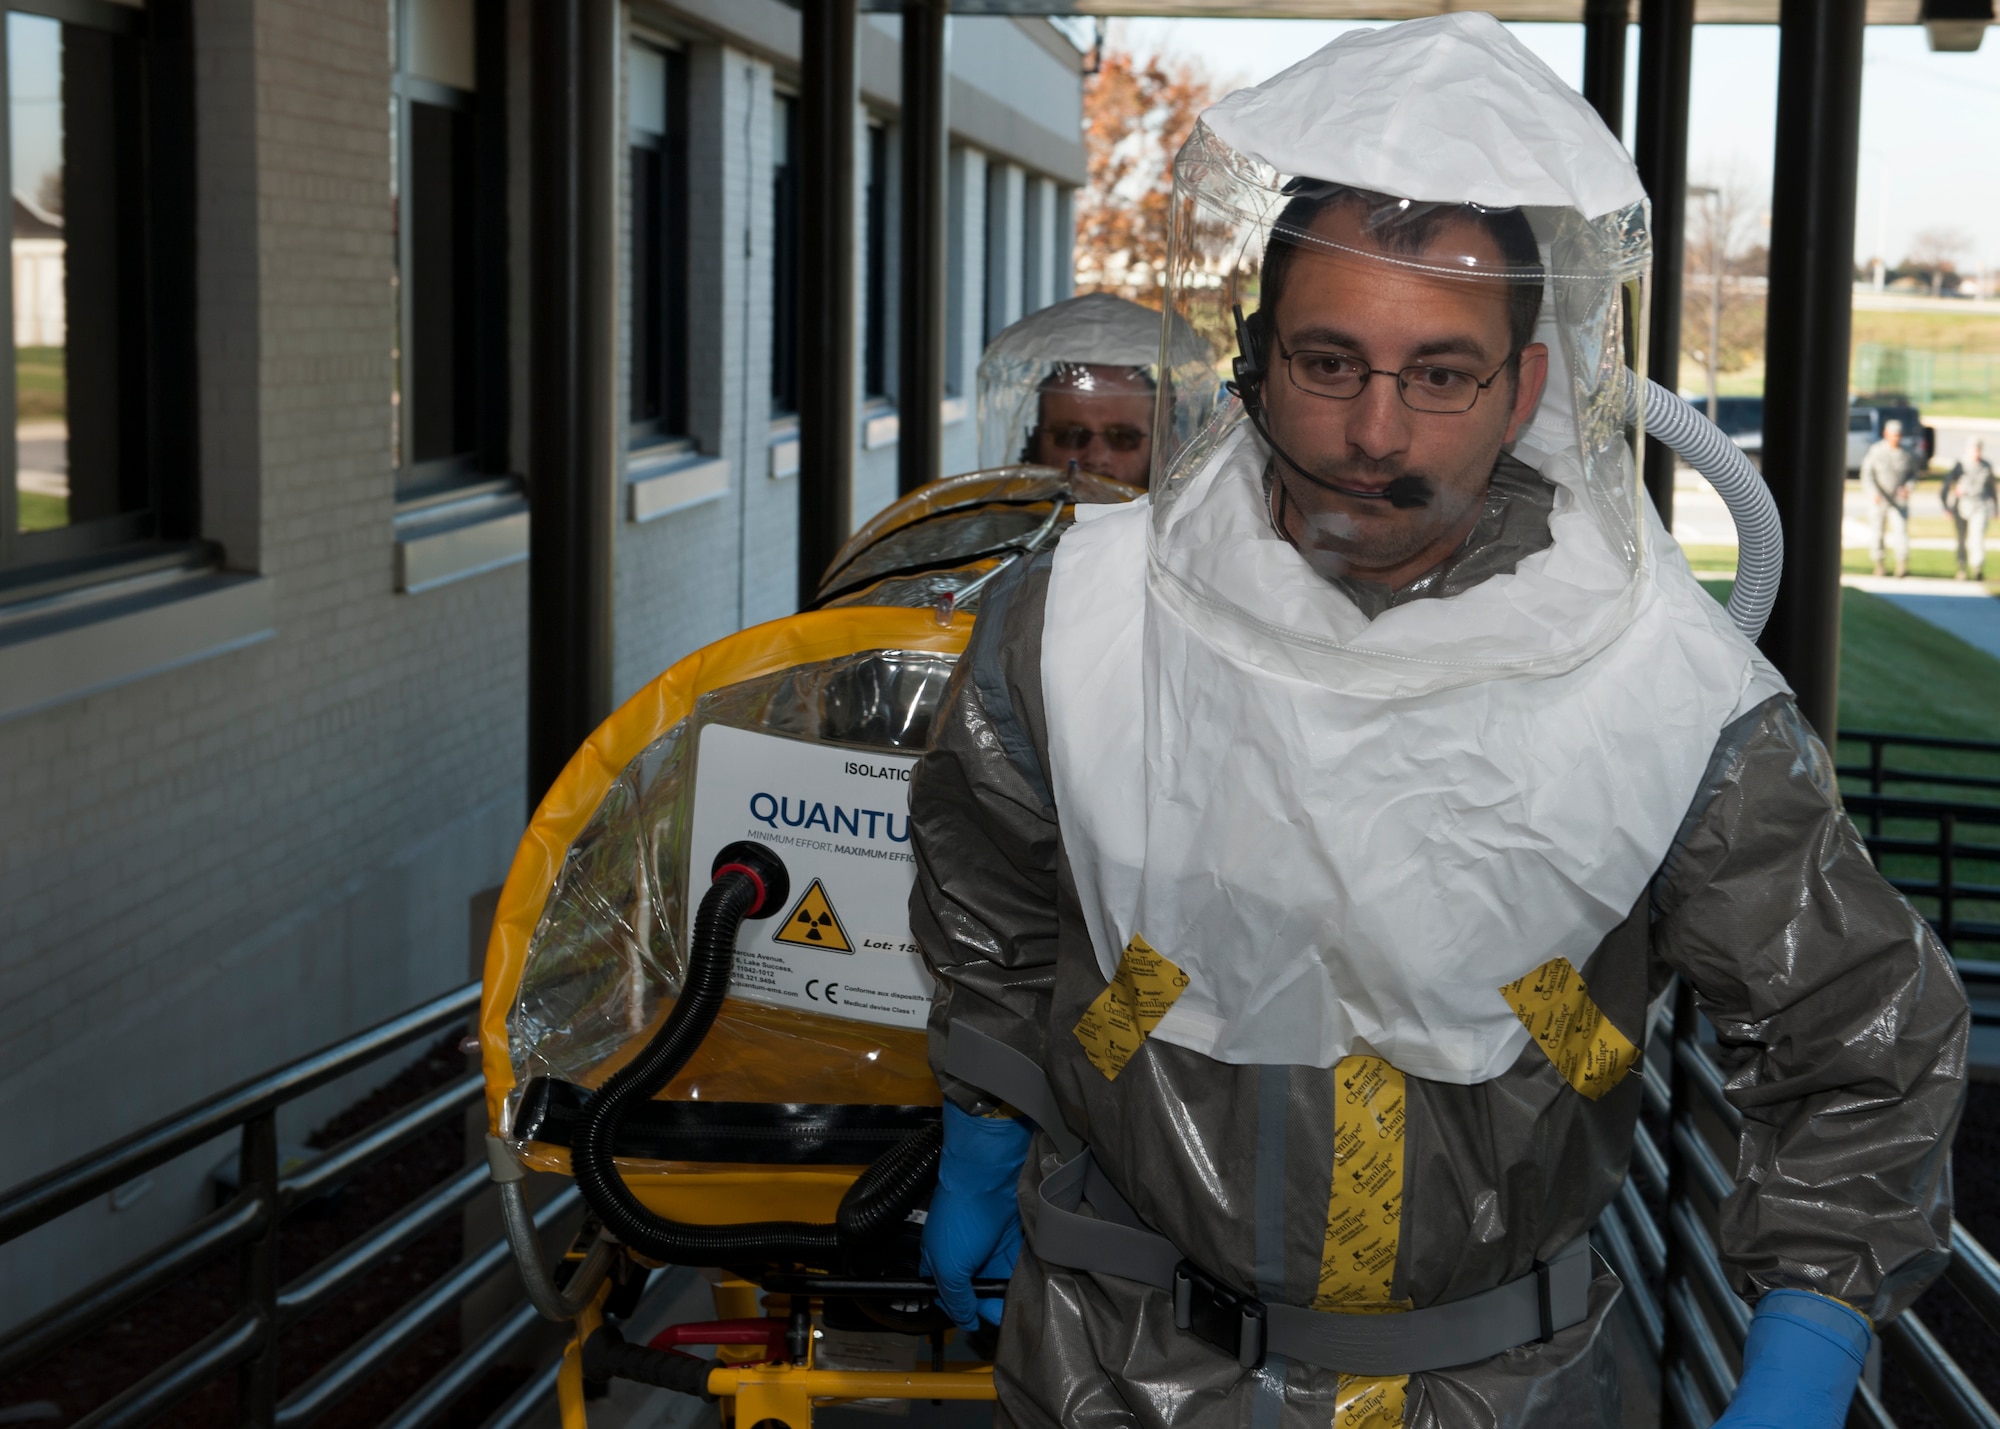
(1842, 1024)
(984, 831)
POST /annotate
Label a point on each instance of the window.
(657, 101)
(875, 321)
(450, 384)
(785, 255)
(99, 463)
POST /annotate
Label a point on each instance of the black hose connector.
(606, 1356)
(750, 881)
(877, 1204)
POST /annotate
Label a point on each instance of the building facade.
(263, 529)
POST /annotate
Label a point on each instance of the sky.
(1930, 123)
(34, 90)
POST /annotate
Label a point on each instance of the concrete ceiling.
(1709, 12)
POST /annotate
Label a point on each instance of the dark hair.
(1415, 228)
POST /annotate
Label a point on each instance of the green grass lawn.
(1902, 674)
(1937, 329)
(1929, 330)
(41, 388)
(40, 512)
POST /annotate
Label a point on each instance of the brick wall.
(215, 869)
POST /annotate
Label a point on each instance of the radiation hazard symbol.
(812, 923)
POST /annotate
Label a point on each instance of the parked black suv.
(1741, 420)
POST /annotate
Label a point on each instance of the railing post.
(257, 1282)
(1947, 912)
(1678, 1099)
(1875, 783)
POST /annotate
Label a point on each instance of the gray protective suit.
(1842, 1021)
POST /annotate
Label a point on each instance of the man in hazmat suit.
(1299, 849)
(1076, 381)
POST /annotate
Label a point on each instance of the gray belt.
(1117, 1241)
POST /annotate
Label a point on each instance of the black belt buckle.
(1217, 1315)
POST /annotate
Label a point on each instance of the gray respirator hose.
(1760, 540)
(525, 1239)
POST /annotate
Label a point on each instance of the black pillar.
(1666, 59)
(1808, 324)
(1604, 60)
(828, 97)
(570, 261)
(920, 366)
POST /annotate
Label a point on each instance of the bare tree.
(1935, 251)
(1722, 294)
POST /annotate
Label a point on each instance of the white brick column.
(1005, 191)
(965, 301)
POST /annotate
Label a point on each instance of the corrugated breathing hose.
(749, 882)
(1760, 539)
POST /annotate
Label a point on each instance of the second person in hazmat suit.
(1308, 841)
(1077, 382)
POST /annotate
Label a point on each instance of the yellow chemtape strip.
(1125, 1013)
(1555, 1006)
(1364, 1211)
(1361, 1402)
(1364, 1218)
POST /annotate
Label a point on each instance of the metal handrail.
(1878, 773)
(1922, 741)
(242, 1220)
(337, 1163)
(1975, 1274)
(341, 1269)
(41, 1200)
(1686, 1319)
(1956, 1399)
(249, 1226)
(365, 1356)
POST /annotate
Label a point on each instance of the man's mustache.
(1371, 481)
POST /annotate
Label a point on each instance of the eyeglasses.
(1424, 388)
(1074, 437)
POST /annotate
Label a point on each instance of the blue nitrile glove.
(974, 1226)
(1800, 1363)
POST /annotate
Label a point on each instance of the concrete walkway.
(1959, 607)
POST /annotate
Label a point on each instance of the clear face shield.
(1401, 370)
(1077, 382)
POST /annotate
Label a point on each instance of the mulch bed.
(98, 1368)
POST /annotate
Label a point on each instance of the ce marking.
(828, 994)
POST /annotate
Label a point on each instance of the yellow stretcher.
(590, 948)
(942, 542)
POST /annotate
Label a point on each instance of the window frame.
(670, 285)
(784, 335)
(877, 353)
(485, 366)
(156, 350)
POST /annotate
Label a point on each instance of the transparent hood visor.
(1079, 381)
(1357, 276)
